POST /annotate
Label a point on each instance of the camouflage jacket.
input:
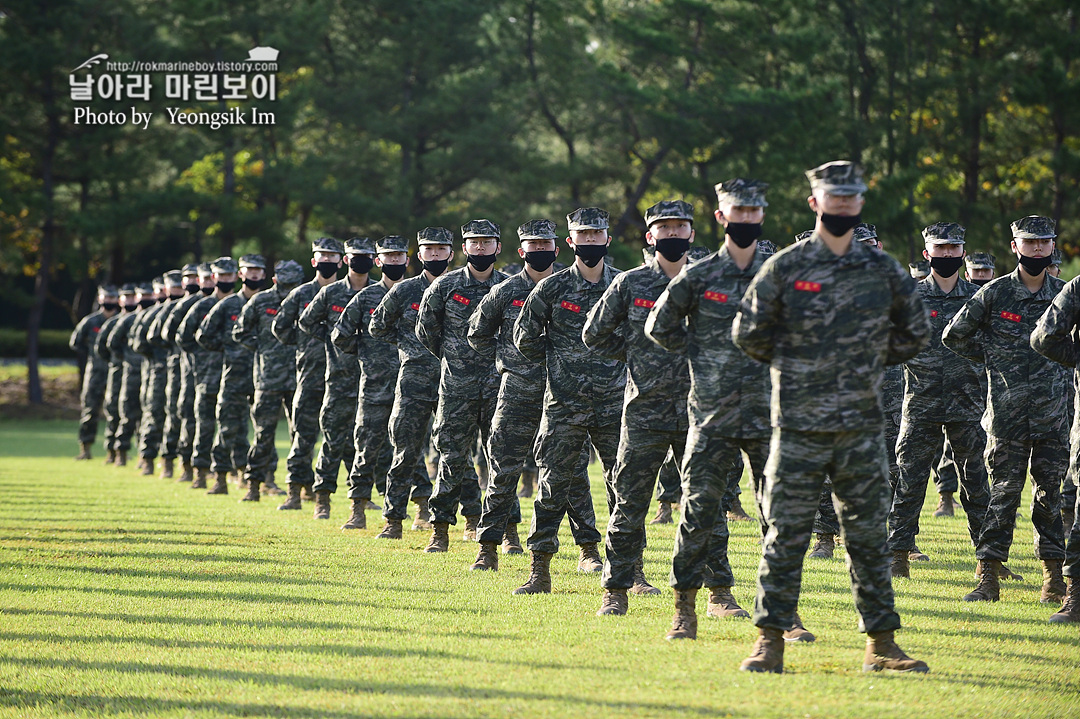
(892, 395)
(442, 326)
(85, 336)
(729, 392)
(491, 332)
(155, 331)
(101, 342)
(1055, 336)
(274, 369)
(205, 362)
(318, 319)
(828, 326)
(1028, 397)
(120, 339)
(394, 321)
(170, 328)
(310, 351)
(581, 383)
(378, 360)
(940, 385)
(140, 335)
(215, 333)
(657, 381)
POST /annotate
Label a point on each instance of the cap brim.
(942, 241)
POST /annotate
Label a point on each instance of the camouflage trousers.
(641, 454)
(700, 557)
(185, 444)
(375, 453)
(510, 448)
(409, 432)
(307, 405)
(1072, 549)
(797, 466)
(170, 439)
(110, 406)
(265, 412)
(206, 392)
(230, 450)
(153, 410)
(457, 422)
(130, 405)
(669, 481)
(919, 443)
(336, 421)
(946, 474)
(826, 521)
(1007, 461)
(91, 399)
(559, 445)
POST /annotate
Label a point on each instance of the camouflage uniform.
(155, 373)
(129, 402)
(468, 383)
(342, 379)
(583, 397)
(174, 397)
(654, 418)
(1027, 414)
(828, 325)
(943, 393)
(274, 367)
(114, 378)
(310, 371)
(729, 409)
(95, 374)
(207, 366)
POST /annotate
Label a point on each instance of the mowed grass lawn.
(123, 595)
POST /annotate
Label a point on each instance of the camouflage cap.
(748, 193)
(1033, 227)
(865, 232)
(919, 269)
(359, 246)
(204, 269)
(837, 178)
(767, 247)
(190, 268)
(537, 230)
(434, 236)
(944, 233)
(145, 288)
(224, 266)
(288, 272)
(108, 291)
(669, 210)
(1055, 257)
(128, 288)
(257, 261)
(174, 278)
(158, 282)
(479, 228)
(804, 235)
(587, 218)
(392, 243)
(980, 261)
(327, 244)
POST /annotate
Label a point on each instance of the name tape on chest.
(96, 329)
(232, 318)
(271, 311)
(642, 302)
(806, 286)
(1011, 316)
(570, 306)
(933, 313)
(460, 298)
(371, 311)
(415, 305)
(518, 303)
(337, 308)
(715, 296)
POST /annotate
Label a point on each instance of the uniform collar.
(581, 283)
(1046, 292)
(963, 288)
(818, 251)
(728, 263)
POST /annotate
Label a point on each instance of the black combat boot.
(684, 623)
(488, 558)
(293, 502)
(539, 581)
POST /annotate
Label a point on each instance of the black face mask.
(481, 262)
(191, 288)
(253, 284)
(673, 248)
(130, 306)
(327, 269)
(144, 303)
(1035, 265)
(743, 234)
(980, 283)
(226, 287)
(394, 272)
(206, 290)
(591, 255)
(540, 260)
(436, 267)
(361, 264)
(840, 225)
(946, 266)
(110, 306)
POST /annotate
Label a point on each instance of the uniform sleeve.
(101, 344)
(603, 332)
(185, 333)
(118, 337)
(429, 320)
(909, 330)
(484, 324)
(154, 329)
(666, 323)
(77, 341)
(530, 329)
(284, 324)
(137, 336)
(211, 328)
(964, 334)
(245, 331)
(312, 320)
(755, 326)
(384, 320)
(1054, 336)
(172, 324)
(345, 333)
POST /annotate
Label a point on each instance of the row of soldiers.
(670, 359)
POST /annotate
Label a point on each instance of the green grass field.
(123, 595)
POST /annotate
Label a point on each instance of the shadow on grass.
(233, 577)
(192, 621)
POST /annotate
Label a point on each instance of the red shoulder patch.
(337, 308)
(460, 298)
(1011, 316)
(570, 306)
(518, 303)
(715, 296)
(271, 311)
(642, 302)
(416, 305)
(804, 286)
